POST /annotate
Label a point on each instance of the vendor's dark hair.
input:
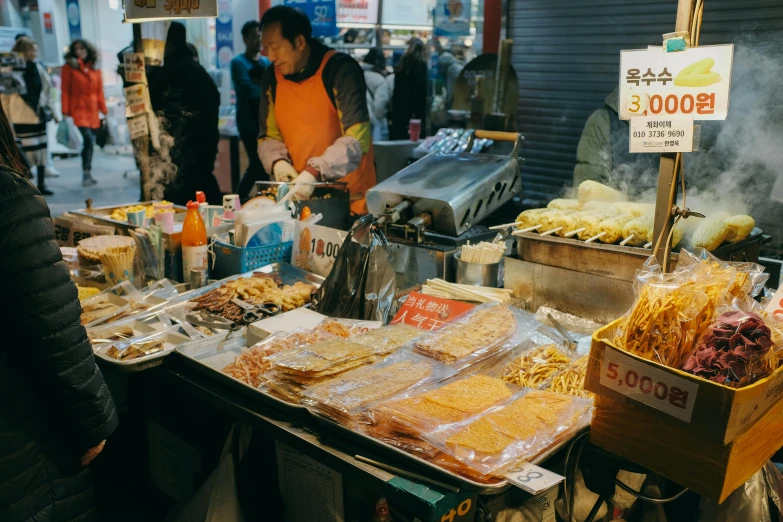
(9, 151)
(92, 52)
(249, 27)
(416, 52)
(293, 22)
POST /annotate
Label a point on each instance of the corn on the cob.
(679, 231)
(557, 219)
(590, 222)
(529, 218)
(740, 227)
(640, 228)
(712, 231)
(634, 209)
(593, 191)
(612, 228)
(598, 205)
(565, 204)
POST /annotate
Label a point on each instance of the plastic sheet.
(362, 282)
(496, 440)
(479, 338)
(568, 321)
(571, 381)
(536, 367)
(342, 397)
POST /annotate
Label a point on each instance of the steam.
(163, 171)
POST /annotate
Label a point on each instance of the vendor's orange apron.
(310, 123)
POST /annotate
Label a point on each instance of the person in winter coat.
(82, 98)
(56, 411)
(409, 100)
(373, 65)
(30, 112)
(449, 68)
(188, 102)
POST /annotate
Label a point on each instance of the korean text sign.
(695, 82)
(429, 313)
(322, 15)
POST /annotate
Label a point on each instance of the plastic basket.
(232, 260)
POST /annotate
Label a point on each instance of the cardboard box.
(700, 434)
(704, 408)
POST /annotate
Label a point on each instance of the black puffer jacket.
(54, 403)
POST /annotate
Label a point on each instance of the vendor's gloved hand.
(284, 171)
(303, 185)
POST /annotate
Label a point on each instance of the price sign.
(695, 82)
(149, 10)
(133, 64)
(661, 134)
(137, 127)
(316, 247)
(136, 100)
(641, 382)
(429, 313)
(534, 479)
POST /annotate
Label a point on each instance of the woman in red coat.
(83, 98)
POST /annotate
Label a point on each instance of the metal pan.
(209, 356)
(172, 338)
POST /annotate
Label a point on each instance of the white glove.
(303, 185)
(284, 171)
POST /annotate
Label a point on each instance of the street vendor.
(314, 124)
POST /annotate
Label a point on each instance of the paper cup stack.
(118, 263)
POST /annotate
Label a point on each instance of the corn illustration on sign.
(147, 10)
(693, 83)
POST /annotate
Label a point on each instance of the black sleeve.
(344, 81)
(41, 302)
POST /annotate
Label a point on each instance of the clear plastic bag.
(479, 338)
(344, 396)
(535, 364)
(524, 427)
(571, 381)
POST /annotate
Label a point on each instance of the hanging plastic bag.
(68, 134)
(362, 282)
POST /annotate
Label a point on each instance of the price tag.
(316, 247)
(136, 100)
(661, 134)
(134, 68)
(663, 391)
(429, 313)
(137, 127)
(533, 479)
(775, 306)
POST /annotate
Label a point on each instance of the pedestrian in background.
(244, 67)
(409, 99)
(30, 112)
(374, 67)
(82, 98)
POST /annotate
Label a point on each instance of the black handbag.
(45, 114)
(102, 134)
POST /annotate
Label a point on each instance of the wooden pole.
(667, 177)
(141, 145)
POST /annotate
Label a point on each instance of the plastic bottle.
(194, 241)
(202, 202)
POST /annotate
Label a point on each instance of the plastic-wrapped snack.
(534, 368)
(523, 428)
(572, 380)
(248, 366)
(472, 336)
(342, 397)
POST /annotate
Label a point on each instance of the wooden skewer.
(499, 227)
(528, 229)
(575, 232)
(553, 231)
(597, 236)
(648, 245)
(627, 240)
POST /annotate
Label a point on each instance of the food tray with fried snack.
(502, 437)
(143, 352)
(125, 329)
(479, 338)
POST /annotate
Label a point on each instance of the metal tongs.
(255, 313)
(212, 321)
(568, 340)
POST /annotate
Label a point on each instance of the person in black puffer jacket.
(55, 408)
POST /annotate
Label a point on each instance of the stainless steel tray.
(149, 361)
(212, 354)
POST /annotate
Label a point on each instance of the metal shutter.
(567, 52)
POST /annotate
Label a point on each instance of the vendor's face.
(80, 51)
(287, 58)
(253, 41)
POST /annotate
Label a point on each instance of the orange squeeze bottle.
(194, 241)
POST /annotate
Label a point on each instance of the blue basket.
(232, 260)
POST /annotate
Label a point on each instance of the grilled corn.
(557, 219)
(589, 221)
(530, 218)
(634, 209)
(593, 191)
(679, 231)
(640, 228)
(612, 228)
(712, 231)
(740, 227)
(565, 204)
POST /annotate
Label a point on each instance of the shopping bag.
(362, 282)
(68, 134)
(102, 134)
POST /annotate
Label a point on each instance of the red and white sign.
(429, 313)
(136, 100)
(694, 82)
(48, 26)
(134, 68)
(357, 11)
(641, 382)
